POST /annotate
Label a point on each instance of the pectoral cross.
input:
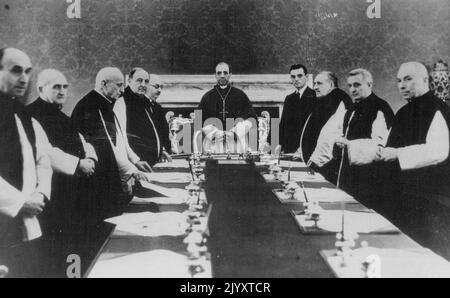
(224, 114)
(224, 100)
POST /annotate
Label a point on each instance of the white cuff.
(362, 151)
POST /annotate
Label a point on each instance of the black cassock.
(295, 113)
(147, 129)
(361, 181)
(58, 127)
(62, 218)
(411, 125)
(11, 160)
(417, 200)
(87, 118)
(323, 110)
(228, 103)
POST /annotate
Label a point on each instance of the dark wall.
(255, 36)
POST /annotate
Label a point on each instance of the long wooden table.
(252, 235)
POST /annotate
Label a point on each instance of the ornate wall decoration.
(440, 80)
(255, 36)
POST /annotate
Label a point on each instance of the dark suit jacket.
(295, 113)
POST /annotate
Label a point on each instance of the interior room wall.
(255, 36)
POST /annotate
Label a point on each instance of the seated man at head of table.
(329, 99)
(225, 103)
(25, 170)
(367, 122)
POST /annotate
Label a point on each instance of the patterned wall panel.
(255, 36)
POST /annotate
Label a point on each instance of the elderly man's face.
(15, 73)
(322, 85)
(56, 91)
(113, 87)
(138, 84)
(223, 75)
(359, 89)
(410, 82)
(155, 87)
(298, 78)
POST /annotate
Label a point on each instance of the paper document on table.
(292, 164)
(149, 224)
(358, 222)
(306, 177)
(175, 164)
(172, 177)
(328, 195)
(152, 264)
(165, 191)
(159, 201)
(391, 263)
(297, 176)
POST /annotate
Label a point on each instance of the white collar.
(103, 96)
(301, 91)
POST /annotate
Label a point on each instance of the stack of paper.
(165, 191)
(152, 264)
(149, 224)
(172, 177)
(357, 222)
(390, 263)
(159, 201)
(328, 195)
(297, 176)
(175, 164)
(292, 164)
(306, 177)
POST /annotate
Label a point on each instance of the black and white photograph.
(224, 145)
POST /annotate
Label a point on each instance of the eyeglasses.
(157, 86)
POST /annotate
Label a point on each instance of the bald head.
(155, 87)
(52, 86)
(15, 72)
(413, 80)
(110, 82)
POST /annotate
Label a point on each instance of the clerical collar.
(152, 101)
(358, 101)
(224, 87)
(410, 100)
(53, 105)
(109, 100)
(301, 91)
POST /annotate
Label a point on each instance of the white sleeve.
(11, 199)
(132, 156)
(89, 150)
(433, 152)
(120, 109)
(62, 162)
(43, 164)
(380, 130)
(364, 151)
(332, 130)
